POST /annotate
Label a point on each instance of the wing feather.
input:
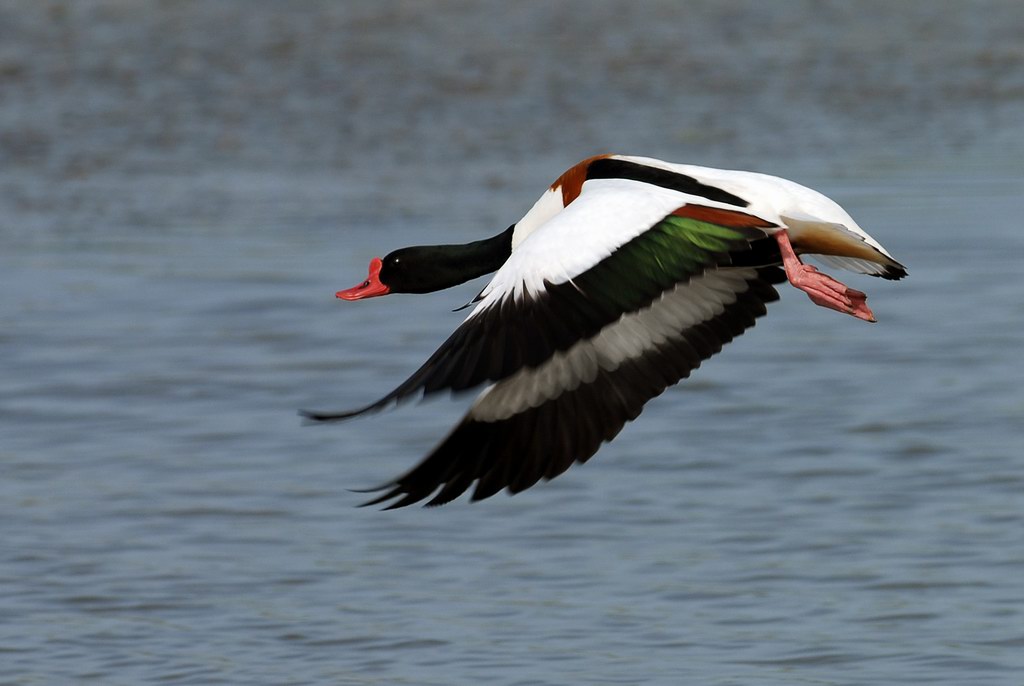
(517, 450)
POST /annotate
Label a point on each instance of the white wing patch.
(607, 214)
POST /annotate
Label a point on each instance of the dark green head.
(429, 268)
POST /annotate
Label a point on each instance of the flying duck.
(625, 275)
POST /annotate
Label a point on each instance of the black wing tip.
(316, 417)
(319, 417)
(402, 497)
(893, 272)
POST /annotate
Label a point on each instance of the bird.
(620, 280)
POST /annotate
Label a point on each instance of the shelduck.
(625, 275)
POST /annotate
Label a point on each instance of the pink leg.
(821, 288)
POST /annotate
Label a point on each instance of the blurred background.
(184, 185)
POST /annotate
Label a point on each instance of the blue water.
(826, 502)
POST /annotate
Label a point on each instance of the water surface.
(185, 186)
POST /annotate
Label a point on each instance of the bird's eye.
(366, 283)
